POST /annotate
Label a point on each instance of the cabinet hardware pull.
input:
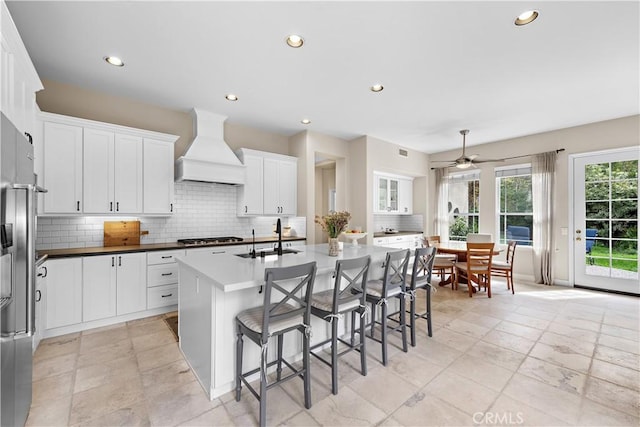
(38, 295)
(167, 274)
(171, 207)
(110, 206)
(119, 261)
(113, 261)
(217, 252)
(46, 272)
(117, 206)
(78, 205)
(166, 296)
(167, 256)
(246, 209)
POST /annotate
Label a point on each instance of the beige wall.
(73, 101)
(623, 132)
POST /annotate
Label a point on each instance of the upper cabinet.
(19, 80)
(393, 194)
(270, 187)
(97, 168)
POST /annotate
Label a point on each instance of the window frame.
(466, 176)
(523, 169)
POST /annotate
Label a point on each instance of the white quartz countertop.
(233, 273)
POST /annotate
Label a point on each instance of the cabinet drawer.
(161, 296)
(162, 257)
(380, 241)
(162, 274)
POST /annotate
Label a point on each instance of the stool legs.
(307, 372)
(429, 327)
(239, 345)
(279, 369)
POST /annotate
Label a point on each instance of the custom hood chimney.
(209, 158)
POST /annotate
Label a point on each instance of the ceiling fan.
(464, 161)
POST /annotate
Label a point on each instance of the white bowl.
(354, 237)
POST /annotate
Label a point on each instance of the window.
(515, 207)
(464, 198)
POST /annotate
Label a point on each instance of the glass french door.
(605, 231)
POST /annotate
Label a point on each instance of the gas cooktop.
(209, 240)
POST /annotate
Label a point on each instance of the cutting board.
(121, 233)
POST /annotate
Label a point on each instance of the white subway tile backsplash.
(200, 210)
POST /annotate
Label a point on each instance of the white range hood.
(209, 158)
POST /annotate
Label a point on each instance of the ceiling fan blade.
(488, 161)
(443, 161)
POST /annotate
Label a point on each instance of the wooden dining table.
(460, 250)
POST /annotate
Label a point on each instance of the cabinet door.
(62, 168)
(131, 283)
(382, 194)
(250, 197)
(128, 174)
(270, 185)
(393, 196)
(158, 177)
(405, 196)
(98, 287)
(64, 292)
(287, 187)
(97, 171)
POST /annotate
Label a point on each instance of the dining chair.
(505, 268)
(420, 278)
(286, 308)
(378, 293)
(347, 296)
(479, 238)
(443, 263)
(477, 267)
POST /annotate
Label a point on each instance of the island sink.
(261, 254)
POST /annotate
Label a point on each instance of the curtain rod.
(559, 150)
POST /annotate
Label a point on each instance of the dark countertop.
(106, 250)
(399, 233)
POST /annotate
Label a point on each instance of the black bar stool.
(290, 311)
(420, 278)
(392, 285)
(347, 296)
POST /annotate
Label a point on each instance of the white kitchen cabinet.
(271, 184)
(64, 292)
(250, 195)
(404, 241)
(19, 80)
(62, 168)
(112, 172)
(98, 287)
(405, 196)
(113, 285)
(280, 186)
(162, 278)
(40, 310)
(393, 194)
(158, 176)
(99, 168)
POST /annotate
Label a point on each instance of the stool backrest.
(278, 299)
(351, 281)
(422, 265)
(395, 270)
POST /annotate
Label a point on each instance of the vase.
(334, 246)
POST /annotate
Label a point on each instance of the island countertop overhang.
(232, 273)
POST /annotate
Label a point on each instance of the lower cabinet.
(162, 278)
(41, 284)
(64, 292)
(113, 285)
(405, 241)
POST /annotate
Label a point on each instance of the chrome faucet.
(279, 231)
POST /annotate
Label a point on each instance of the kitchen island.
(214, 288)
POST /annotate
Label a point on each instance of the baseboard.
(561, 282)
(79, 327)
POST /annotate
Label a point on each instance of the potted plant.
(334, 223)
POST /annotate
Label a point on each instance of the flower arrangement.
(334, 223)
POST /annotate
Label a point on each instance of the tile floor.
(546, 356)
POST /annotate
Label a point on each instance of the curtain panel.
(441, 217)
(543, 170)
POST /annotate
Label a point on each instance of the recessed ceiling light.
(305, 121)
(376, 88)
(295, 40)
(526, 17)
(231, 97)
(114, 60)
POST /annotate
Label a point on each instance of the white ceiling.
(445, 66)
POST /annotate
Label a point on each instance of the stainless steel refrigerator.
(17, 264)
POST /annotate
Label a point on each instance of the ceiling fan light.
(465, 165)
